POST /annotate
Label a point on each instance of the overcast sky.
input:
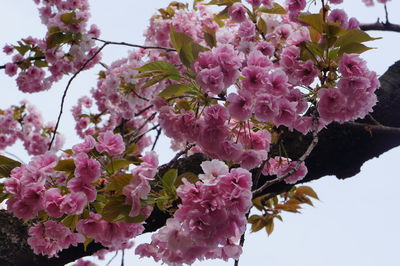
(355, 223)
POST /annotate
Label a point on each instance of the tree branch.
(66, 90)
(380, 26)
(136, 45)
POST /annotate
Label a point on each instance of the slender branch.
(380, 26)
(143, 110)
(386, 13)
(156, 139)
(123, 258)
(136, 45)
(370, 127)
(171, 164)
(109, 262)
(66, 90)
(310, 148)
(140, 96)
(34, 58)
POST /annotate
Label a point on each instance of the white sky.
(356, 222)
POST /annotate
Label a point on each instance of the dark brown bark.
(341, 151)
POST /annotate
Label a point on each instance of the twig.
(66, 90)
(123, 258)
(27, 59)
(151, 117)
(143, 110)
(171, 164)
(141, 136)
(386, 13)
(140, 96)
(299, 161)
(376, 122)
(242, 238)
(156, 139)
(374, 127)
(136, 45)
(108, 263)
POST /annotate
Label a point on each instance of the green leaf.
(307, 191)
(187, 49)
(174, 90)
(40, 63)
(115, 165)
(209, 37)
(354, 35)
(269, 227)
(67, 18)
(189, 176)
(113, 209)
(67, 165)
(262, 26)
(168, 180)
(276, 9)
(131, 148)
(87, 242)
(54, 40)
(70, 221)
(159, 66)
(353, 47)
(118, 182)
(222, 2)
(7, 165)
(313, 20)
(22, 49)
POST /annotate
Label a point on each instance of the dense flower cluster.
(209, 221)
(354, 96)
(25, 123)
(221, 84)
(66, 21)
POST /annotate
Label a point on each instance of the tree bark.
(341, 151)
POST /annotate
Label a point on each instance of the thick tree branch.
(381, 26)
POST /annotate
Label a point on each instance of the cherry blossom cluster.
(208, 222)
(241, 76)
(118, 98)
(40, 186)
(68, 45)
(281, 166)
(25, 123)
(354, 96)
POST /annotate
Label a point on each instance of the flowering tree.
(256, 97)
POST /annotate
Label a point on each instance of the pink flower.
(80, 185)
(247, 30)
(86, 169)
(251, 159)
(11, 69)
(238, 12)
(277, 83)
(212, 170)
(331, 105)
(211, 80)
(265, 108)
(52, 202)
(257, 58)
(339, 16)
(111, 143)
(215, 114)
(296, 5)
(90, 226)
(352, 65)
(73, 203)
(87, 145)
(286, 113)
(255, 78)
(240, 106)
